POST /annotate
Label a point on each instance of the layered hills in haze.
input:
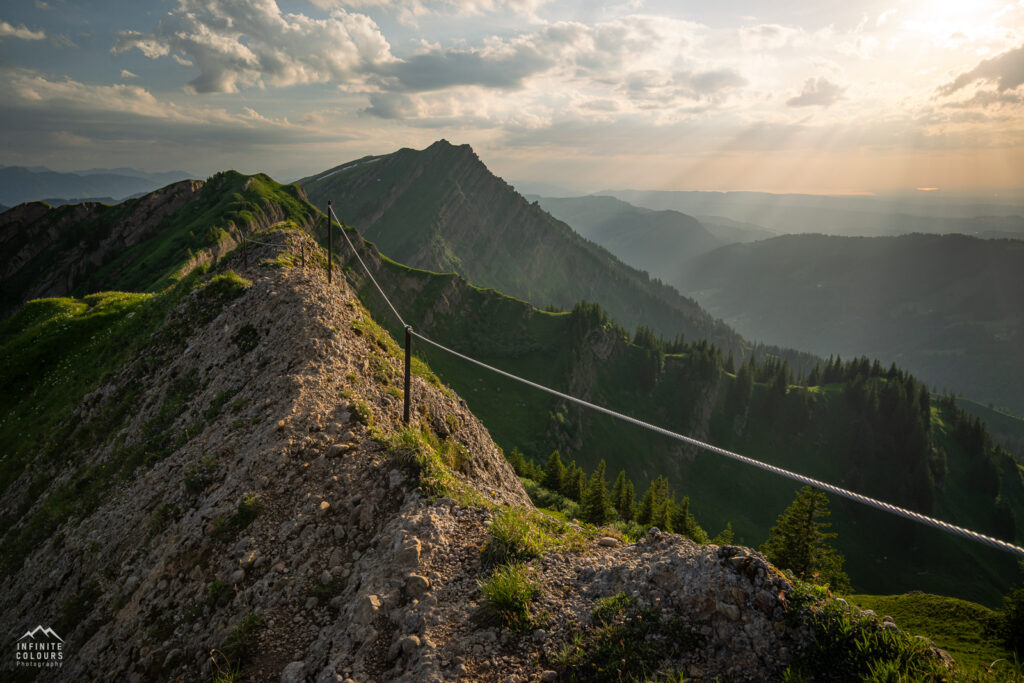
(855, 215)
(950, 308)
(663, 241)
(19, 184)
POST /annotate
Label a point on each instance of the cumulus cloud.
(125, 73)
(1006, 70)
(251, 42)
(20, 32)
(817, 92)
(37, 104)
(440, 69)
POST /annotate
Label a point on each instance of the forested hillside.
(857, 424)
(949, 308)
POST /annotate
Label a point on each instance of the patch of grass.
(508, 594)
(420, 369)
(418, 450)
(626, 643)
(217, 404)
(363, 412)
(161, 517)
(368, 327)
(217, 593)
(381, 368)
(324, 592)
(228, 528)
(517, 534)
(966, 630)
(395, 391)
(246, 339)
(851, 645)
(200, 475)
(283, 259)
(240, 638)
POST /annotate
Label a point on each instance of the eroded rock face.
(279, 535)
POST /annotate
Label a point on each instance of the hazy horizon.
(876, 97)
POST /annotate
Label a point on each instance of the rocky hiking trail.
(298, 532)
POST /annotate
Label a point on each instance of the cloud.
(251, 42)
(884, 16)
(20, 32)
(1006, 70)
(409, 10)
(440, 69)
(36, 105)
(768, 36)
(817, 92)
(125, 73)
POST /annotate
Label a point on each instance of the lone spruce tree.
(799, 542)
(597, 504)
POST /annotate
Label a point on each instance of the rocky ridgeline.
(283, 535)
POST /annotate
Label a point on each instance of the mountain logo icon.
(38, 631)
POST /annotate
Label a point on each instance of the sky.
(893, 96)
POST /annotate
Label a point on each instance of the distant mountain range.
(20, 184)
(844, 215)
(661, 240)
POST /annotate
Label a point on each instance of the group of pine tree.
(893, 408)
(799, 541)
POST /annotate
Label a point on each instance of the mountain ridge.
(291, 527)
(443, 210)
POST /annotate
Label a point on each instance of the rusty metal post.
(408, 372)
(330, 240)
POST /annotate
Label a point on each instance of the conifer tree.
(554, 472)
(516, 459)
(573, 482)
(619, 492)
(799, 541)
(686, 524)
(724, 536)
(597, 505)
(627, 508)
(655, 506)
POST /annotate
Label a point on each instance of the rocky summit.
(279, 522)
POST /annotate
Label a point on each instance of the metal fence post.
(330, 241)
(408, 372)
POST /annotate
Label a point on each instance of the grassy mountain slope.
(660, 242)
(964, 629)
(441, 209)
(825, 431)
(138, 245)
(1007, 430)
(949, 308)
